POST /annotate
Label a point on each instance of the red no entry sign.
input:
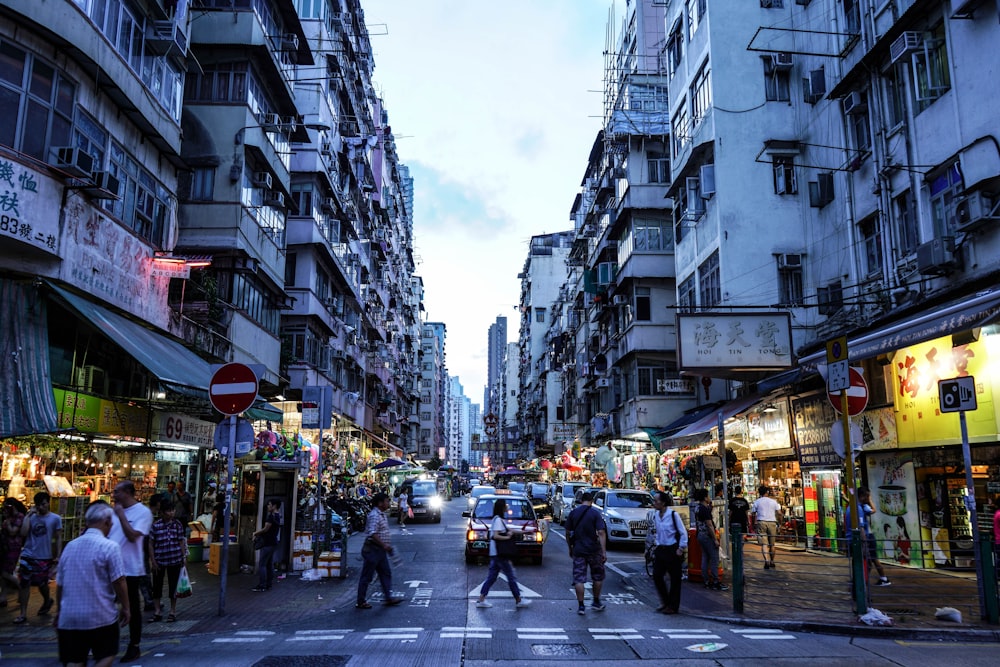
(857, 394)
(233, 389)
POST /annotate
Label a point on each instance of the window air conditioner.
(329, 204)
(975, 210)
(274, 198)
(106, 186)
(619, 299)
(262, 179)
(603, 382)
(290, 42)
(271, 122)
(781, 62)
(937, 257)
(787, 260)
(75, 161)
(855, 105)
(907, 43)
(695, 202)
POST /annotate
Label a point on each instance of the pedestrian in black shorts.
(586, 535)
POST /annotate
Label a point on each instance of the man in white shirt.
(91, 577)
(767, 514)
(132, 522)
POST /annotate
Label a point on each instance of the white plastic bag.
(875, 617)
(310, 575)
(948, 614)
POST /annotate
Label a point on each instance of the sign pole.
(227, 508)
(856, 545)
(970, 505)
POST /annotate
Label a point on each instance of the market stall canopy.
(510, 472)
(389, 463)
(700, 430)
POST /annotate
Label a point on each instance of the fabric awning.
(711, 420)
(27, 405)
(956, 316)
(689, 417)
(167, 359)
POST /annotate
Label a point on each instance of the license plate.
(479, 544)
(640, 531)
(419, 511)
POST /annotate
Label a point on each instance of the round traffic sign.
(233, 389)
(857, 394)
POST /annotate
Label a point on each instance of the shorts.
(74, 645)
(580, 564)
(34, 571)
(768, 528)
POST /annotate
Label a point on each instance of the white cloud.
(495, 108)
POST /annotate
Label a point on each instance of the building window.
(203, 183)
(680, 214)
(784, 175)
(675, 47)
(219, 82)
(710, 281)
(695, 12)
(643, 97)
(701, 94)
(540, 315)
(907, 230)
(658, 166)
(643, 307)
(145, 204)
(680, 129)
(789, 284)
(650, 235)
(895, 97)
(944, 189)
(930, 69)
(857, 122)
(777, 81)
(36, 103)
(291, 261)
(871, 246)
(852, 16)
(686, 295)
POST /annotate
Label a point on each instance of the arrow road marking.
(504, 592)
(415, 583)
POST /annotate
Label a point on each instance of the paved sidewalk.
(809, 590)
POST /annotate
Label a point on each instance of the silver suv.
(562, 499)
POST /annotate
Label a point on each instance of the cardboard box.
(215, 559)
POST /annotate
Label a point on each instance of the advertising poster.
(895, 524)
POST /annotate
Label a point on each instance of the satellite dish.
(837, 438)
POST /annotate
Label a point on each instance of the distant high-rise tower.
(495, 352)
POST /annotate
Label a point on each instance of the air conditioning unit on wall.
(603, 383)
(937, 257)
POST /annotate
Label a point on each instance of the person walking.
(739, 512)
(131, 524)
(586, 535)
(708, 538)
(90, 578)
(268, 535)
(404, 506)
(668, 541)
(11, 519)
(870, 551)
(168, 545)
(375, 552)
(500, 531)
(767, 514)
(183, 506)
(41, 532)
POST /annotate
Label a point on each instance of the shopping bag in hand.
(184, 584)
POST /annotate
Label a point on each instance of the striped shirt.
(168, 542)
(89, 566)
(378, 525)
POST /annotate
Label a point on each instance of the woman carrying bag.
(502, 552)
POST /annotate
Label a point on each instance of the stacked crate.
(302, 551)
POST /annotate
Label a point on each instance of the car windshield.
(516, 487)
(636, 500)
(538, 490)
(481, 490)
(424, 488)
(517, 508)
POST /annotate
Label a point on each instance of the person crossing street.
(375, 552)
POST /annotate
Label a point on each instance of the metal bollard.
(992, 605)
(739, 589)
(859, 574)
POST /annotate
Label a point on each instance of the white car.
(624, 512)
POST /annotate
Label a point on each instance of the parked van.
(562, 499)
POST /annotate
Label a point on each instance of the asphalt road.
(315, 623)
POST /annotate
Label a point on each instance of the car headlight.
(435, 502)
(614, 519)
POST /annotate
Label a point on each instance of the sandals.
(155, 618)
(19, 620)
(171, 618)
(363, 605)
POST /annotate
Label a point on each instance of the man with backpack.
(668, 540)
(586, 535)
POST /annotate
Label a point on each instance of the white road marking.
(466, 633)
(322, 632)
(237, 640)
(542, 633)
(545, 637)
(615, 633)
(689, 633)
(265, 633)
(504, 592)
(758, 633)
(393, 633)
(314, 638)
(391, 636)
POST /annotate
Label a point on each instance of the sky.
(495, 107)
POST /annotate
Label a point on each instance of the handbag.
(505, 548)
(258, 542)
(183, 584)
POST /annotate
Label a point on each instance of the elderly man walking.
(132, 522)
(375, 552)
(91, 576)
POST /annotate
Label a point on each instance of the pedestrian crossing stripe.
(393, 633)
(615, 633)
(761, 633)
(498, 591)
(466, 633)
(318, 635)
(550, 634)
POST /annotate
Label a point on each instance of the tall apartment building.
(249, 208)
(459, 424)
(434, 392)
(496, 350)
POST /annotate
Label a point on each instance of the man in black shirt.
(586, 535)
(739, 509)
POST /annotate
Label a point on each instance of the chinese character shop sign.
(745, 341)
(29, 208)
